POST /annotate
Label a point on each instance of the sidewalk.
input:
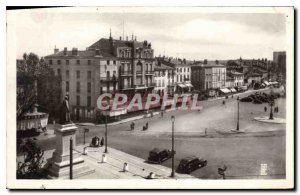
(113, 167)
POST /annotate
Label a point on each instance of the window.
(78, 74)
(89, 87)
(78, 100)
(67, 74)
(89, 75)
(58, 62)
(89, 101)
(67, 62)
(50, 62)
(78, 87)
(114, 62)
(58, 71)
(67, 86)
(78, 62)
(89, 62)
(107, 62)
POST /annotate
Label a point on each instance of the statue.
(65, 112)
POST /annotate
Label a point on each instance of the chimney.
(65, 51)
(120, 38)
(97, 52)
(184, 61)
(56, 50)
(135, 38)
(126, 38)
(74, 51)
(132, 37)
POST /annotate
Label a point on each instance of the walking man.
(266, 108)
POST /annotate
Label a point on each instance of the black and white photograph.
(150, 98)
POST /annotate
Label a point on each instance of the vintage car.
(159, 155)
(190, 164)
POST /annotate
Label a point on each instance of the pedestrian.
(146, 125)
(266, 108)
(277, 109)
(102, 142)
(132, 126)
(223, 102)
(205, 131)
(232, 96)
(162, 113)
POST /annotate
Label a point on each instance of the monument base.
(59, 165)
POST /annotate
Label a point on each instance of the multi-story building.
(182, 73)
(164, 79)
(208, 78)
(107, 66)
(279, 59)
(136, 63)
(238, 78)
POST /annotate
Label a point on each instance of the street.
(242, 153)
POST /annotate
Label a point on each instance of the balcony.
(109, 79)
(126, 73)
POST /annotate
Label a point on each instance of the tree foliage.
(31, 166)
(33, 71)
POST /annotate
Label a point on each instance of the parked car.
(159, 155)
(190, 164)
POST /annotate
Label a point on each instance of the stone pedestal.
(59, 164)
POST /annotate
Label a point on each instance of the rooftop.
(80, 54)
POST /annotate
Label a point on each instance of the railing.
(109, 79)
(138, 72)
(123, 72)
(149, 72)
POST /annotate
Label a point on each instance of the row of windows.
(181, 79)
(89, 87)
(89, 73)
(88, 101)
(183, 69)
(67, 62)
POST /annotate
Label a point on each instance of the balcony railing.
(123, 72)
(109, 79)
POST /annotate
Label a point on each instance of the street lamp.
(238, 114)
(106, 113)
(173, 152)
(271, 110)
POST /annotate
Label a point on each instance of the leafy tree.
(31, 166)
(35, 75)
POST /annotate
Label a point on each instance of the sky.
(194, 36)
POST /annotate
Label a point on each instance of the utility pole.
(238, 115)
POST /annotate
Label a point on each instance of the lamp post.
(238, 114)
(271, 110)
(105, 151)
(173, 152)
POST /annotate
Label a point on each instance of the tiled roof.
(209, 65)
(163, 67)
(81, 54)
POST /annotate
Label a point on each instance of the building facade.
(208, 77)
(164, 79)
(107, 66)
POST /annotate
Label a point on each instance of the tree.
(31, 166)
(34, 76)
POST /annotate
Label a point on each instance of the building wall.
(182, 73)
(161, 81)
(75, 79)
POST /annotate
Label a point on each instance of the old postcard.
(150, 98)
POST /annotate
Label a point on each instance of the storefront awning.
(182, 85)
(233, 90)
(225, 90)
(189, 85)
(116, 112)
